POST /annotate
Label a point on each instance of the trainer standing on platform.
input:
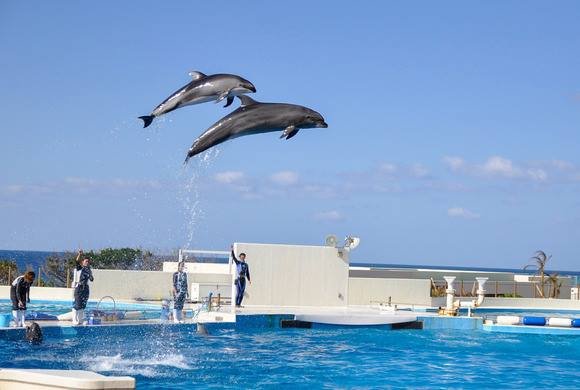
(179, 292)
(20, 296)
(242, 273)
(82, 275)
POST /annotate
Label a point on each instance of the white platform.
(23, 379)
(357, 319)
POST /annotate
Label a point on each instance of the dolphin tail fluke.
(189, 155)
(147, 120)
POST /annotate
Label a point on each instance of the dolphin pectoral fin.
(147, 119)
(195, 75)
(223, 95)
(289, 132)
(292, 134)
(230, 101)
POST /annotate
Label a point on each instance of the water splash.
(191, 179)
(136, 365)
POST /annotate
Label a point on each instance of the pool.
(176, 357)
(494, 312)
(147, 311)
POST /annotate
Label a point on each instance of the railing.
(41, 280)
(504, 289)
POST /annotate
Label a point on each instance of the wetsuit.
(242, 272)
(180, 285)
(20, 292)
(82, 277)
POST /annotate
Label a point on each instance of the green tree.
(109, 258)
(124, 258)
(55, 269)
(8, 271)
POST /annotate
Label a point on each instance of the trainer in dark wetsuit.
(242, 273)
(83, 274)
(20, 296)
(179, 292)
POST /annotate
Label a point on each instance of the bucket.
(5, 320)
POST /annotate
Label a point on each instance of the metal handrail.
(108, 296)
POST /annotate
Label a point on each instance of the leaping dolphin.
(253, 117)
(202, 89)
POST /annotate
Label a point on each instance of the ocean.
(25, 259)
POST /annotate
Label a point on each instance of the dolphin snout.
(252, 88)
(323, 125)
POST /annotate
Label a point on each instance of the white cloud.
(500, 166)
(285, 178)
(460, 212)
(562, 165)
(80, 181)
(229, 177)
(496, 166)
(13, 188)
(388, 169)
(419, 171)
(331, 216)
(321, 191)
(80, 184)
(537, 174)
(454, 163)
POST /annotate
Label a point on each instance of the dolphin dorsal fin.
(246, 100)
(195, 75)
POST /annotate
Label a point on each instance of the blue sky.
(453, 128)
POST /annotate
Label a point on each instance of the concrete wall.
(197, 268)
(152, 285)
(364, 291)
(42, 293)
(542, 303)
(291, 275)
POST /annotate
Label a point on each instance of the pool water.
(60, 307)
(146, 311)
(176, 357)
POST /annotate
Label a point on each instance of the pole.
(38, 277)
(67, 278)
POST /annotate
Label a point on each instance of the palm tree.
(539, 262)
(555, 285)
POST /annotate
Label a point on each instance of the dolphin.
(253, 117)
(202, 89)
(33, 333)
